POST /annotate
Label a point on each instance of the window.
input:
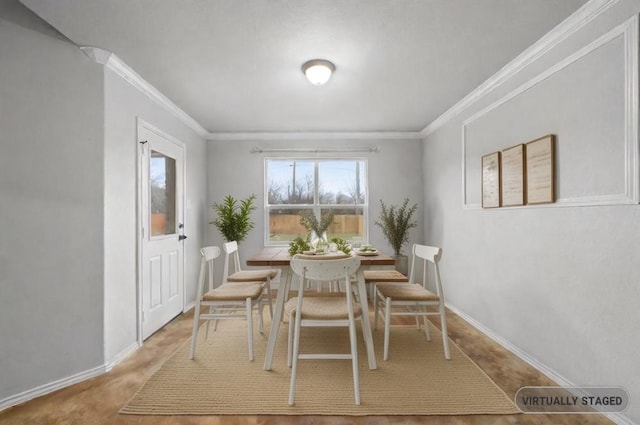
(162, 174)
(293, 186)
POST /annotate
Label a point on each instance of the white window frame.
(316, 207)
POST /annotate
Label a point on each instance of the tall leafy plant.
(395, 222)
(234, 217)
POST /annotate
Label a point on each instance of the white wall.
(560, 283)
(394, 173)
(124, 104)
(51, 208)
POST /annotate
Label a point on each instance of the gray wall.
(558, 284)
(394, 173)
(68, 298)
(123, 106)
(51, 183)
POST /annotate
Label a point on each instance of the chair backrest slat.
(426, 255)
(325, 269)
(209, 253)
(231, 255)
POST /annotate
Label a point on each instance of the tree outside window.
(294, 186)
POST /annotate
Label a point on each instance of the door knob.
(182, 237)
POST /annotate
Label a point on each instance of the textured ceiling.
(234, 65)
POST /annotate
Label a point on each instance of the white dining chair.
(233, 273)
(394, 298)
(227, 301)
(318, 310)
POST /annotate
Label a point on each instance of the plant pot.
(402, 264)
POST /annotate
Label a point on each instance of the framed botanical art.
(512, 176)
(540, 170)
(491, 180)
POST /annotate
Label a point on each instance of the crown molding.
(588, 12)
(98, 55)
(573, 23)
(629, 32)
(299, 136)
(113, 62)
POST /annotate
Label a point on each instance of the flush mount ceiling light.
(318, 71)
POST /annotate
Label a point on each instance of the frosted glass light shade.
(318, 71)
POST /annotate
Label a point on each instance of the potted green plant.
(234, 217)
(395, 222)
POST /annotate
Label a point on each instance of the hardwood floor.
(97, 401)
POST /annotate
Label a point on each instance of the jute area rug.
(416, 380)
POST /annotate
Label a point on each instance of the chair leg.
(260, 317)
(387, 327)
(215, 322)
(375, 308)
(445, 337)
(294, 365)
(194, 334)
(212, 310)
(290, 340)
(366, 327)
(250, 327)
(354, 356)
(427, 331)
(270, 298)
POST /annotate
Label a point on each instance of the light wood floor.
(97, 401)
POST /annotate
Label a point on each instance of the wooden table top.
(279, 256)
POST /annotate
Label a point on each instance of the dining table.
(278, 257)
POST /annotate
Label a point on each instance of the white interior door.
(161, 231)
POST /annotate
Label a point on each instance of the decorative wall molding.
(588, 12)
(629, 31)
(532, 361)
(113, 62)
(285, 136)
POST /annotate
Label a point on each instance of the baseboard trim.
(188, 307)
(122, 355)
(68, 381)
(51, 387)
(617, 418)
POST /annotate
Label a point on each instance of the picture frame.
(540, 170)
(512, 176)
(491, 180)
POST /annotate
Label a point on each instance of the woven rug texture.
(416, 380)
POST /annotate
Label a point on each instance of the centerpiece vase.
(315, 238)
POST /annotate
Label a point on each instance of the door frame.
(140, 124)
